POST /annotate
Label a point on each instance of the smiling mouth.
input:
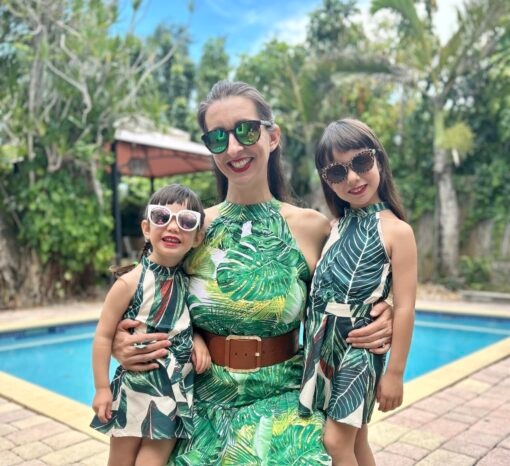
(171, 240)
(358, 190)
(240, 164)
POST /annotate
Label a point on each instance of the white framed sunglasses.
(161, 216)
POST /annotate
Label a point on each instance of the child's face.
(358, 189)
(170, 243)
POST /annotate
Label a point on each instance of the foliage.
(70, 80)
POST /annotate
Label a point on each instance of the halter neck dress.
(353, 274)
(156, 404)
(249, 278)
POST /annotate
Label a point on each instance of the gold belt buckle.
(257, 355)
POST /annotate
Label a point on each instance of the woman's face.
(244, 166)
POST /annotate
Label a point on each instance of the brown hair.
(221, 90)
(170, 194)
(350, 134)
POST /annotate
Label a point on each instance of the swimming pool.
(59, 358)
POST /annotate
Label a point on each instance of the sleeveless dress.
(353, 274)
(156, 404)
(249, 278)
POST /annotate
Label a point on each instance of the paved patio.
(458, 415)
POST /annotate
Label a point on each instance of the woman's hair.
(170, 194)
(221, 90)
(350, 134)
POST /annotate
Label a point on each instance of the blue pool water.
(59, 358)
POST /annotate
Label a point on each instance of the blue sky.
(246, 24)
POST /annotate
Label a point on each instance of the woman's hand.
(376, 336)
(200, 356)
(138, 358)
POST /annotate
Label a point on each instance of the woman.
(248, 291)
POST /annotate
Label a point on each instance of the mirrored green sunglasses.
(246, 132)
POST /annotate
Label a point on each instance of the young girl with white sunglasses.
(371, 249)
(145, 412)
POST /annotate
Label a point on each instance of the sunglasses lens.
(362, 162)
(247, 132)
(336, 173)
(187, 220)
(159, 216)
(216, 140)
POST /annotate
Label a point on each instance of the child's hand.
(390, 391)
(102, 404)
(200, 355)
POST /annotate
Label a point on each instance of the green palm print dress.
(249, 278)
(156, 404)
(353, 274)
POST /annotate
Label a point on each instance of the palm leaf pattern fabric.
(156, 404)
(249, 278)
(353, 274)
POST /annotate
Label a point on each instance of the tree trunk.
(9, 267)
(21, 279)
(447, 211)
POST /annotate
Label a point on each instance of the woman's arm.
(377, 335)
(138, 358)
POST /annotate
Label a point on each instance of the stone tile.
(97, 460)
(478, 438)
(492, 378)
(8, 407)
(470, 411)
(407, 450)
(453, 400)
(75, 453)
(34, 463)
(459, 392)
(502, 411)
(466, 448)
(29, 421)
(496, 457)
(37, 432)
(384, 458)
(15, 415)
(30, 451)
(6, 429)
(483, 402)
(505, 443)
(434, 405)
(64, 439)
(8, 458)
(473, 386)
(383, 433)
(413, 417)
(460, 417)
(500, 392)
(495, 425)
(444, 457)
(444, 427)
(426, 440)
(5, 444)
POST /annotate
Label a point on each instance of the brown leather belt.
(247, 353)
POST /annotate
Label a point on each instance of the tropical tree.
(436, 69)
(68, 80)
